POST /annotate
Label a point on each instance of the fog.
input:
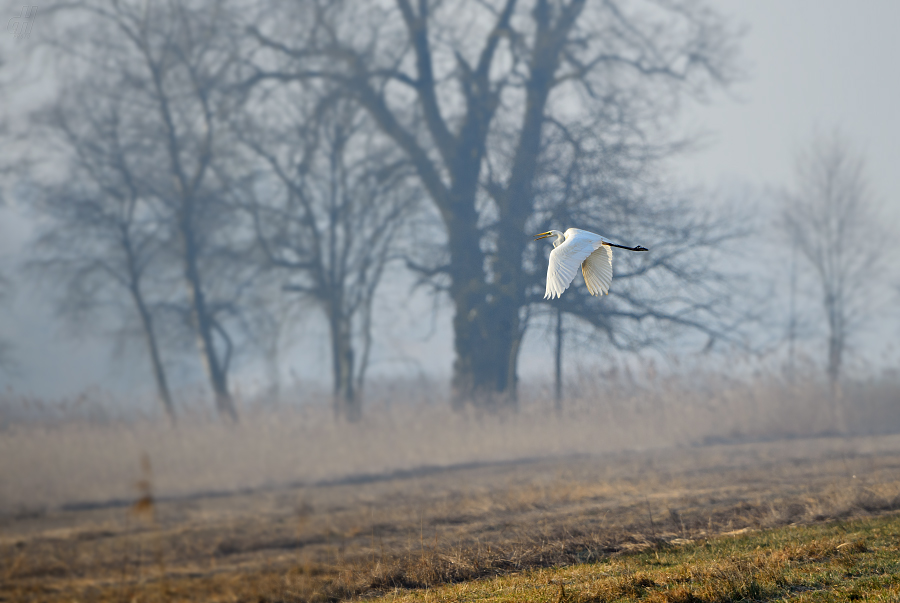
(275, 325)
(799, 77)
(701, 174)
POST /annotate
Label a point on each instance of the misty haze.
(279, 319)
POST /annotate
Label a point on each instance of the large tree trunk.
(345, 400)
(203, 323)
(486, 319)
(485, 342)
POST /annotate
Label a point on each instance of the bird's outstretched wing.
(565, 261)
(597, 270)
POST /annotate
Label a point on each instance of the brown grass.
(289, 506)
(838, 561)
(336, 541)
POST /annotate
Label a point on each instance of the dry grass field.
(288, 506)
(419, 529)
(839, 561)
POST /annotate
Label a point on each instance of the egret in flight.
(575, 248)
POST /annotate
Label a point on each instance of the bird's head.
(560, 237)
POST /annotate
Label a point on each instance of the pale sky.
(811, 64)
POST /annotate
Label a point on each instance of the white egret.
(576, 248)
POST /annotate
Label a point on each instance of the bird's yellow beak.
(542, 235)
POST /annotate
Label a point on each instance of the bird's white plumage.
(567, 257)
(597, 270)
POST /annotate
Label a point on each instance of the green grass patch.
(846, 561)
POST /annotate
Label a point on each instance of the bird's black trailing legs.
(638, 248)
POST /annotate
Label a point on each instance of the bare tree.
(837, 225)
(332, 200)
(486, 99)
(98, 234)
(175, 63)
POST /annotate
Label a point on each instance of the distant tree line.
(216, 163)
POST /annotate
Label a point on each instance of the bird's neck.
(560, 237)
